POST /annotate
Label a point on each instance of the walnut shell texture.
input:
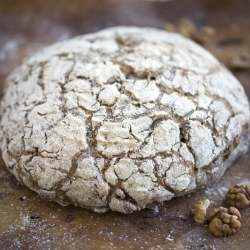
(122, 119)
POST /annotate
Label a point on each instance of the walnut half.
(199, 211)
(224, 221)
(239, 196)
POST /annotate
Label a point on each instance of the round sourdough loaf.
(122, 119)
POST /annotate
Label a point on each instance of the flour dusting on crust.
(122, 119)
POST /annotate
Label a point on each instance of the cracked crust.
(122, 119)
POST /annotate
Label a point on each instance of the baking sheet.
(27, 221)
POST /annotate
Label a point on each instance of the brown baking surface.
(27, 221)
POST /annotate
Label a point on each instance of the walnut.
(188, 29)
(170, 27)
(122, 119)
(239, 196)
(206, 34)
(224, 221)
(240, 60)
(199, 211)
